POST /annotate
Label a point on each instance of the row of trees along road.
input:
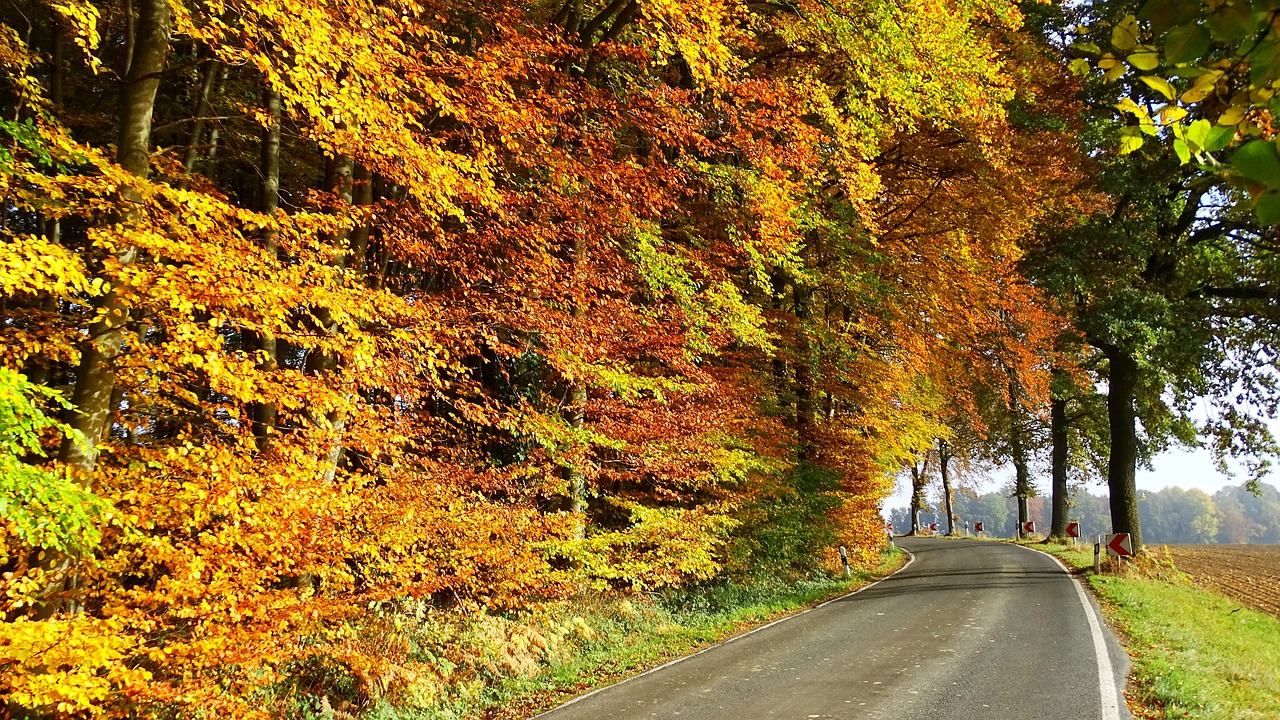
(1232, 515)
(1164, 271)
(310, 307)
(474, 307)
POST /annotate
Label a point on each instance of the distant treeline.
(1233, 515)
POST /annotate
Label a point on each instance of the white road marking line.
(910, 559)
(1106, 674)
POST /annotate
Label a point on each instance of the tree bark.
(265, 415)
(781, 377)
(1123, 460)
(95, 379)
(95, 384)
(1058, 437)
(338, 178)
(806, 431)
(212, 66)
(944, 469)
(919, 479)
(1017, 447)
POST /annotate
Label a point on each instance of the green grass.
(1195, 654)
(618, 636)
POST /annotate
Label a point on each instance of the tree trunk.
(265, 415)
(95, 379)
(358, 255)
(1122, 464)
(1021, 481)
(919, 479)
(212, 66)
(806, 430)
(338, 178)
(781, 377)
(575, 480)
(95, 384)
(944, 468)
(1058, 436)
(1017, 447)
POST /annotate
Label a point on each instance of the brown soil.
(1249, 574)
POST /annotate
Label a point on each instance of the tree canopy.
(318, 314)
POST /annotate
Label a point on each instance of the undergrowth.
(490, 664)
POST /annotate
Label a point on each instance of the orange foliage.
(668, 251)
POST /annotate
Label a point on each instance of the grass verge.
(1196, 654)
(595, 640)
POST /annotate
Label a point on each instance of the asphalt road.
(968, 631)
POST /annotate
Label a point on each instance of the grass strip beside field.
(1196, 654)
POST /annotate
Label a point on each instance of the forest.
(1172, 515)
(322, 320)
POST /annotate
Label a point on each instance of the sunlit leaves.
(1124, 36)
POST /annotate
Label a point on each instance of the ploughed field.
(1249, 574)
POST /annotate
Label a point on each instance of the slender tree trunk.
(1122, 464)
(576, 481)
(574, 414)
(58, 55)
(1017, 447)
(944, 468)
(338, 177)
(1022, 480)
(265, 415)
(211, 70)
(130, 38)
(781, 377)
(1058, 436)
(806, 430)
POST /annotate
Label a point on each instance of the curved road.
(967, 631)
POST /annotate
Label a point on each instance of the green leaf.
(1267, 206)
(1124, 36)
(1164, 14)
(1145, 60)
(1130, 140)
(1079, 67)
(1186, 43)
(1160, 85)
(1198, 133)
(1219, 137)
(1184, 152)
(1264, 63)
(1232, 22)
(1258, 161)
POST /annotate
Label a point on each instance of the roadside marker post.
(844, 560)
(1097, 555)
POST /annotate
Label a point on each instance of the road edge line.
(910, 559)
(1107, 687)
